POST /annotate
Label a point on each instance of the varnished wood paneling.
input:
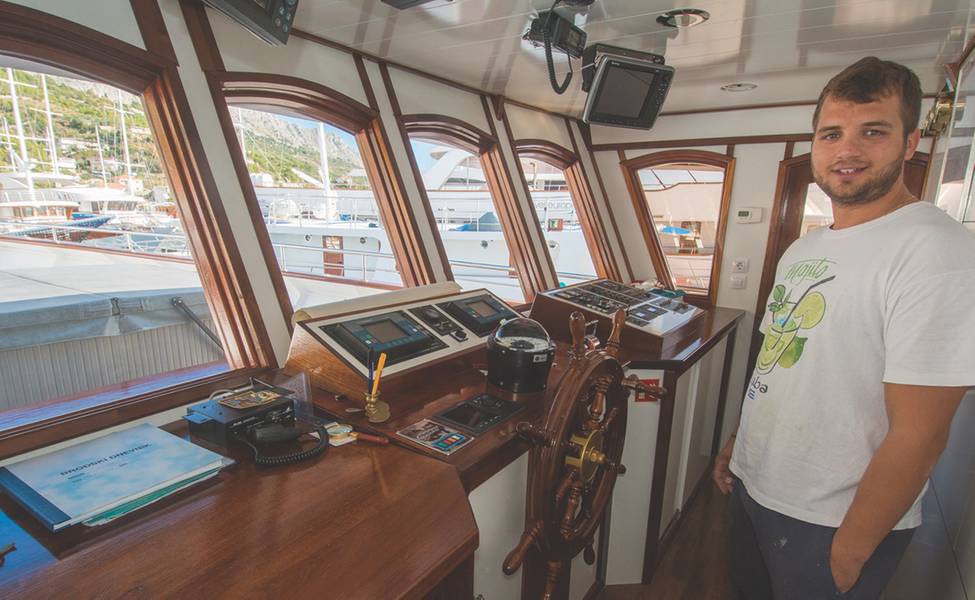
(41, 37)
(328, 527)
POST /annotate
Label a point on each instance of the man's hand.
(722, 474)
(844, 566)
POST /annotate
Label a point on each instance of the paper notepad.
(104, 478)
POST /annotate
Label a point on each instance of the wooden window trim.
(306, 99)
(449, 130)
(46, 39)
(459, 134)
(542, 263)
(582, 198)
(631, 168)
(302, 97)
(311, 100)
(585, 133)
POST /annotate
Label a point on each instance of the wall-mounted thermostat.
(748, 215)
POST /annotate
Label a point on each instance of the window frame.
(308, 100)
(485, 146)
(152, 75)
(631, 168)
(582, 199)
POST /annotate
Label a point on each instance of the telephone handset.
(270, 433)
(257, 416)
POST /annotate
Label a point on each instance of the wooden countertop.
(692, 342)
(331, 527)
(496, 448)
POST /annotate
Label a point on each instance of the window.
(681, 199)
(560, 223)
(97, 282)
(326, 231)
(467, 218)
(817, 211)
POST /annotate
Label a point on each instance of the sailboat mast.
(50, 126)
(331, 209)
(125, 146)
(101, 157)
(10, 145)
(240, 134)
(18, 124)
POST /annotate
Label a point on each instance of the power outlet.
(739, 265)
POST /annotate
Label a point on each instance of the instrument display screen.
(467, 415)
(385, 331)
(483, 308)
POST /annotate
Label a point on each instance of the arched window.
(474, 216)
(573, 232)
(122, 290)
(326, 236)
(681, 199)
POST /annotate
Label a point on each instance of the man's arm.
(920, 419)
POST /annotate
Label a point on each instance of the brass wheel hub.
(590, 455)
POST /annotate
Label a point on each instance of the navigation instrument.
(394, 333)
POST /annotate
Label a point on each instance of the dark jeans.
(775, 556)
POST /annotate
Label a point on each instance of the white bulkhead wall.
(419, 95)
(111, 17)
(536, 125)
(243, 51)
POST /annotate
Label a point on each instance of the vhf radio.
(272, 422)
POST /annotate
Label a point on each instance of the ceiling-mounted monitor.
(269, 20)
(627, 93)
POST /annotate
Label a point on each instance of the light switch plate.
(738, 282)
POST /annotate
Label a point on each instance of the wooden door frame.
(789, 187)
(789, 201)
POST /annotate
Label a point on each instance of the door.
(799, 207)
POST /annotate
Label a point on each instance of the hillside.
(87, 120)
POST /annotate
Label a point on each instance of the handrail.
(279, 245)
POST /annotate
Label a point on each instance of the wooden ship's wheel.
(576, 455)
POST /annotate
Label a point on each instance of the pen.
(379, 373)
(375, 439)
(369, 360)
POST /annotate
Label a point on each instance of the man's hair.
(870, 79)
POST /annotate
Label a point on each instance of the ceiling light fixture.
(682, 18)
(739, 87)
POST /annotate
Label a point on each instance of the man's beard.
(868, 191)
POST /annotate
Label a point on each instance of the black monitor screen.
(482, 308)
(623, 92)
(627, 93)
(384, 331)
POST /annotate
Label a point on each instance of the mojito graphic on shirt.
(782, 344)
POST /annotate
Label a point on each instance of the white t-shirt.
(890, 300)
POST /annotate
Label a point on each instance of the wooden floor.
(694, 565)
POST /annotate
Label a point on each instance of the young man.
(869, 339)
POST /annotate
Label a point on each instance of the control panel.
(648, 310)
(440, 323)
(394, 333)
(481, 314)
(412, 334)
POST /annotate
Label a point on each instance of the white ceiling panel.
(788, 47)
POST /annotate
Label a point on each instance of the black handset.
(270, 433)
